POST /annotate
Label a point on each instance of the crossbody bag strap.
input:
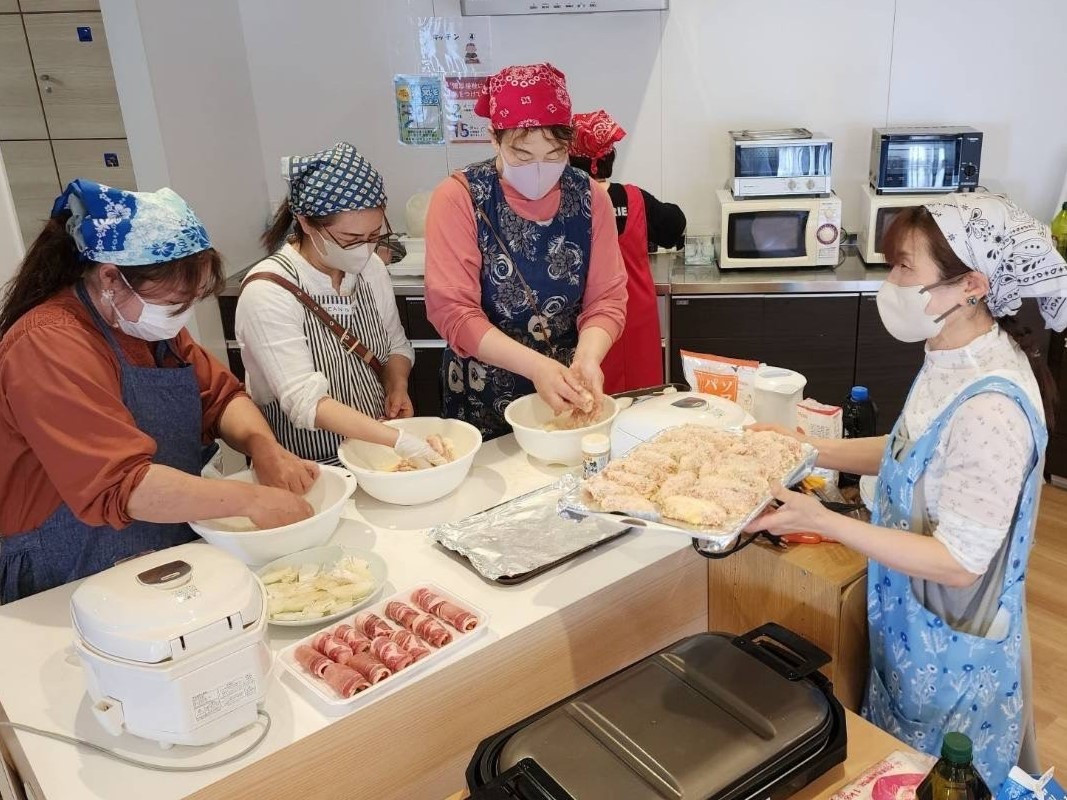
(348, 340)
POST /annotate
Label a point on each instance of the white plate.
(328, 556)
(333, 705)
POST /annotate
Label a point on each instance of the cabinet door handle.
(47, 81)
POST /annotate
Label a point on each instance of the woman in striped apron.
(325, 354)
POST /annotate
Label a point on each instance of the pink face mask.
(533, 181)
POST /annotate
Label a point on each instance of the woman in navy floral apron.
(958, 481)
(106, 401)
(524, 277)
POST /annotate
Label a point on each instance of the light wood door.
(102, 160)
(31, 171)
(9, 6)
(74, 72)
(29, 6)
(21, 115)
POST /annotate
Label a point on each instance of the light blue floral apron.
(926, 678)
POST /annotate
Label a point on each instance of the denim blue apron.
(926, 678)
(545, 263)
(165, 404)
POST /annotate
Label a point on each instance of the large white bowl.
(371, 462)
(237, 535)
(528, 416)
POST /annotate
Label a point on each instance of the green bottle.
(1059, 230)
(954, 777)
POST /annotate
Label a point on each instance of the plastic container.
(1059, 230)
(954, 776)
(777, 392)
(860, 420)
(596, 451)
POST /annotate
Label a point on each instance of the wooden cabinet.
(812, 334)
(74, 74)
(884, 365)
(31, 173)
(21, 116)
(818, 591)
(32, 6)
(102, 160)
(9, 6)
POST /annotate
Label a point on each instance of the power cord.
(108, 753)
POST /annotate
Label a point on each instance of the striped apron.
(352, 382)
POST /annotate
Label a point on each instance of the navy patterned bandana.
(338, 179)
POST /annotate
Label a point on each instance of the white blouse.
(973, 482)
(274, 348)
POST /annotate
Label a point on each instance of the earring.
(972, 301)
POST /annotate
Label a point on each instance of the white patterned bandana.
(130, 229)
(338, 179)
(1013, 250)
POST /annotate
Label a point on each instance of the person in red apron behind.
(636, 359)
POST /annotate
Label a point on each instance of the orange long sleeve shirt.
(454, 264)
(65, 435)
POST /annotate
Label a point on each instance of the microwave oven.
(772, 163)
(779, 231)
(937, 159)
(878, 213)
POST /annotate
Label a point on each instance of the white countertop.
(41, 682)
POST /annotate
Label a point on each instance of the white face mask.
(533, 181)
(157, 322)
(353, 260)
(903, 311)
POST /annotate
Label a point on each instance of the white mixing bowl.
(528, 416)
(371, 462)
(239, 537)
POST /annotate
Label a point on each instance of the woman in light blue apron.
(958, 481)
(106, 401)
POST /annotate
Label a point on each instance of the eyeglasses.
(374, 241)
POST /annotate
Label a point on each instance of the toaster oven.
(931, 159)
(772, 163)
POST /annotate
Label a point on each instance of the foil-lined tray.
(526, 536)
(575, 501)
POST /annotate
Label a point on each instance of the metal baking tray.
(524, 537)
(713, 540)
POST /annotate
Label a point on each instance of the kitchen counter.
(546, 639)
(673, 277)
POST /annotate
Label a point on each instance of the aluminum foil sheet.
(573, 501)
(525, 534)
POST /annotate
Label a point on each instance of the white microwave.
(779, 231)
(878, 213)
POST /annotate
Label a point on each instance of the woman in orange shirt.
(106, 401)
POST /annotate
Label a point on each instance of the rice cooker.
(647, 417)
(173, 645)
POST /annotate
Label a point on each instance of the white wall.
(679, 80)
(11, 250)
(232, 86)
(183, 81)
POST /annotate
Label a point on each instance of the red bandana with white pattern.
(532, 96)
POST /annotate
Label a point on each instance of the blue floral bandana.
(130, 229)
